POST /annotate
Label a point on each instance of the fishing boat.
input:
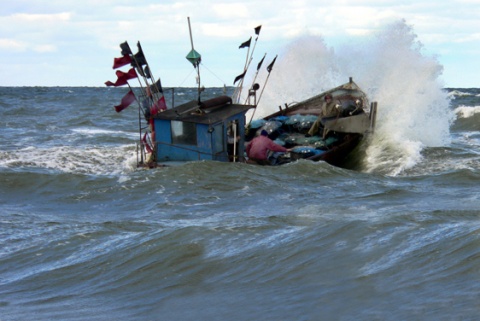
(338, 136)
(216, 129)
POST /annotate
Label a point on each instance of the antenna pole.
(190, 30)
(197, 64)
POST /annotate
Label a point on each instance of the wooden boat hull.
(338, 154)
(341, 134)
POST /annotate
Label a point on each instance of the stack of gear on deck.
(289, 131)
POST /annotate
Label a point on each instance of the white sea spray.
(413, 108)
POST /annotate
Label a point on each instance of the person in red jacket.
(260, 146)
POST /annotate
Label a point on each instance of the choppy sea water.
(87, 236)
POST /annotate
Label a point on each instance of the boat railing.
(143, 158)
(140, 151)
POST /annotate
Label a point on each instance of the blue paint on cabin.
(189, 132)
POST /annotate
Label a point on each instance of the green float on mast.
(195, 58)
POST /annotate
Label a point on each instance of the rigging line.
(188, 76)
(203, 65)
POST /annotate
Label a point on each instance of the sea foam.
(413, 108)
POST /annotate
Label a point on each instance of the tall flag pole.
(138, 61)
(269, 69)
(256, 73)
(153, 91)
(153, 100)
(249, 57)
(126, 51)
(238, 90)
(150, 103)
(195, 58)
(257, 33)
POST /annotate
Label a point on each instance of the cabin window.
(218, 138)
(184, 133)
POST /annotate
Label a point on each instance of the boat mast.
(195, 58)
(249, 58)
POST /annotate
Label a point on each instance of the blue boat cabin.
(211, 130)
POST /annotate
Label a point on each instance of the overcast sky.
(73, 43)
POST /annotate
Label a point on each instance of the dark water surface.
(87, 236)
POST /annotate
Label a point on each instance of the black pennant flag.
(270, 67)
(245, 44)
(239, 77)
(156, 87)
(257, 30)
(146, 72)
(139, 58)
(260, 63)
(125, 49)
